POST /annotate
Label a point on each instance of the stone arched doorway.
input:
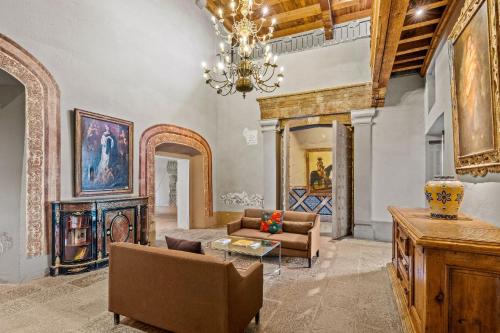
(163, 134)
(42, 141)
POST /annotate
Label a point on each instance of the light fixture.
(236, 69)
(419, 12)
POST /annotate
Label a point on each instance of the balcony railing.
(342, 33)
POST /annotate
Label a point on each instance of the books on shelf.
(80, 254)
(77, 237)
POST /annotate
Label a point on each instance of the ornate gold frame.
(489, 161)
(309, 190)
(78, 154)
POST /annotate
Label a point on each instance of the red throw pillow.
(272, 223)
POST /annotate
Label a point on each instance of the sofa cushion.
(253, 212)
(250, 222)
(291, 241)
(184, 245)
(299, 216)
(297, 227)
(250, 233)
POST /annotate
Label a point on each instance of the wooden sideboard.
(445, 274)
(83, 229)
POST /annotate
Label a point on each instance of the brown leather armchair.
(182, 292)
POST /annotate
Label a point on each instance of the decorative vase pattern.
(444, 195)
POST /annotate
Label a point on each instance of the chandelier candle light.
(236, 71)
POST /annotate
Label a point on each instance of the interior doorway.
(317, 175)
(179, 191)
(12, 129)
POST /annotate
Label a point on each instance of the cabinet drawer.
(402, 240)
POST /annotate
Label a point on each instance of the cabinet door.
(119, 226)
(474, 301)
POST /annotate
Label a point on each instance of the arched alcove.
(171, 134)
(41, 144)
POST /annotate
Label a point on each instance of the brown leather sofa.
(182, 292)
(300, 237)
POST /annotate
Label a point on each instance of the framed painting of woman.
(103, 154)
(475, 90)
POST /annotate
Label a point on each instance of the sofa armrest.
(233, 226)
(246, 295)
(314, 237)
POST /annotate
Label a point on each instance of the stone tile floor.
(346, 290)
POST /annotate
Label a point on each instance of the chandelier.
(236, 70)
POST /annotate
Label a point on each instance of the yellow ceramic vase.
(444, 195)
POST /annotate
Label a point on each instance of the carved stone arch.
(42, 141)
(160, 134)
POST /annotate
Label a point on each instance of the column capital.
(269, 125)
(363, 117)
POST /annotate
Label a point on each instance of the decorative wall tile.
(300, 201)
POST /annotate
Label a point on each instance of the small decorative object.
(475, 90)
(272, 223)
(319, 170)
(103, 154)
(444, 195)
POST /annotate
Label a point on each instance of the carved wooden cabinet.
(445, 274)
(83, 230)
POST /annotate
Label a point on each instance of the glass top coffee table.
(247, 246)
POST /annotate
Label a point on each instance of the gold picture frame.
(97, 135)
(475, 89)
(319, 181)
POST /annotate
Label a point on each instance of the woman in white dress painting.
(104, 172)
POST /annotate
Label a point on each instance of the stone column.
(362, 121)
(270, 130)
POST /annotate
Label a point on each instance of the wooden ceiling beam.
(406, 68)
(416, 38)
(428, 6)
(410, 59)
(449, 10)
(298, 29)
(413, 50)
(327, 17)
(353, 16)
(421, 24)
(397, 15)
(341, 4)
(292, 15)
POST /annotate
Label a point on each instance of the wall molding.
(341, 99)
(42, 141)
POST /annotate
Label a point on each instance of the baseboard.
(373, 230)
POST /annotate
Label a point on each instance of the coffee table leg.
(260, 259)
(225, 255)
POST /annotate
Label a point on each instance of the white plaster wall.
(240, 167)
(162, 179)
(398, 171)
(481, 193)
(136, 60)
(11, 166)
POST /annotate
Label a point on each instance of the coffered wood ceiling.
(405, 35)
(296, 16)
